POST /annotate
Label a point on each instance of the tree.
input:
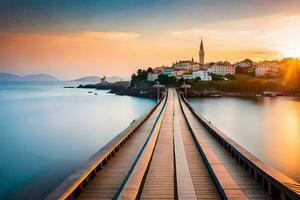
(140, 75)
(230, 77)
(180, 81)
(166, 80)
(216, 77)
(133, 79)
(149, 70)
(197, 79)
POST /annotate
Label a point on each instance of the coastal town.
(191, 69)
(221, 78)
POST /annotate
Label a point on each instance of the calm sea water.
(267, 127)
(47, 131)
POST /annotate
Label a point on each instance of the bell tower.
(201, 53)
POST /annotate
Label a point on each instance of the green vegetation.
(141, 75)
(216, 77)
(242, 84)
(166, 80)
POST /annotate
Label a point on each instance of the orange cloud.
(69, 54)
(74, 54)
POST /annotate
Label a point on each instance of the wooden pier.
(174, 153)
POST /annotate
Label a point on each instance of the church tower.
(201, 53)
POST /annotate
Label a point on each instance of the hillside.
(34, 77)
(89, 79)
(8, 77)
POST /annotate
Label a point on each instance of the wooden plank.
(202, 180)
(185, 186)
(159, 182)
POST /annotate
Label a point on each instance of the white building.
(203, 75)
(267, 69)
(186, 65)
(158, 70)
(222, 68)
(187, 76)
(195, 67)
(244, 63)
(152, 76)
(183, 65)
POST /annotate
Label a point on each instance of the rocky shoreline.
(197, 93)
(123, 89)
(147, 90)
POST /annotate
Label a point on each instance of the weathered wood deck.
(239, 173)
(202, 180)
(234, 180)
(109, 179)
(174, 153)
(159, 181)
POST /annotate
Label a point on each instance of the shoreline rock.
(147, 91)
(123, 89)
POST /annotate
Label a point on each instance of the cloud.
(121, 52)
(111, 35)
(259, 52)
(74, 52)
(108, 35)
(266, 31)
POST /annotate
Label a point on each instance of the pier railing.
(278, 185)
(76, 182)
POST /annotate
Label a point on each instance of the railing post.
(158, 93)
(282, 196)
(269, 188)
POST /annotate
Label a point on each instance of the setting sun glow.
(292, 51)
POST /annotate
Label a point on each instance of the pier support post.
(185, 87)
(282, 196)
(158, 86)
(269, 188)
(158, 93)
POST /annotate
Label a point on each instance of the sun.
(292, 50)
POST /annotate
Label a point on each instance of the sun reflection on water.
(269, 128)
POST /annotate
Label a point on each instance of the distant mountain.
(34, 77)
(9, 77)
(89, 79)
(39, 77)
(47, 77)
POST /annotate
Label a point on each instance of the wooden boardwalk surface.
(180, 160)
(159, 182)
(202, 181)
(109, 179)
(175, 146)
(238, 184)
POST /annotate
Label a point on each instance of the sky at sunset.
(74, 38)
